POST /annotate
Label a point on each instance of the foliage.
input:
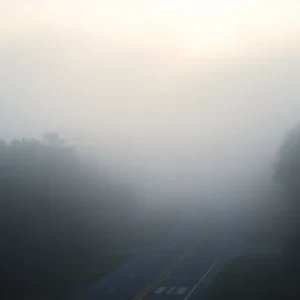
(64, 221)
(57, 216)
(288, 163)
(287, 173)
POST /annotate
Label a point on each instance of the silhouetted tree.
(288, 175)
(59, 212)
(56, 215)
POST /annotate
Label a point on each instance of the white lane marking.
(160, 290)
(202, 278)
(111, 290)
(181, 290)
(171, 290)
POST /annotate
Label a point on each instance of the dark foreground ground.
(259, 276)
(178, 267)
(35, 272)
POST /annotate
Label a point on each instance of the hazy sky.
(190, 95)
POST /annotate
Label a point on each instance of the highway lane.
(185, 277)
(174, 268)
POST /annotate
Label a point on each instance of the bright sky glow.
(175, 81)
(213, 25)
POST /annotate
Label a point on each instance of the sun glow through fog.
(191, 25)
(176, 78)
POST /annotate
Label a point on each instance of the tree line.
(58, 214)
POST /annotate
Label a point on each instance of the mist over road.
(178, 267)
(153, 124)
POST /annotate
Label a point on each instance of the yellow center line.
(164, 274)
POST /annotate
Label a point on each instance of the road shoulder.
(251, 276)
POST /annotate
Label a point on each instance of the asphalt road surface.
(179, 267)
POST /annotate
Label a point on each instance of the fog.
(177, 111)
(118, 117)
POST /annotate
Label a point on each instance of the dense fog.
(141, 114)
(174, 127)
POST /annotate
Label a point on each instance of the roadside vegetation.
(275, 222)
(65, 223)
(252, 277)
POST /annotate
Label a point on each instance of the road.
(179, 267)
